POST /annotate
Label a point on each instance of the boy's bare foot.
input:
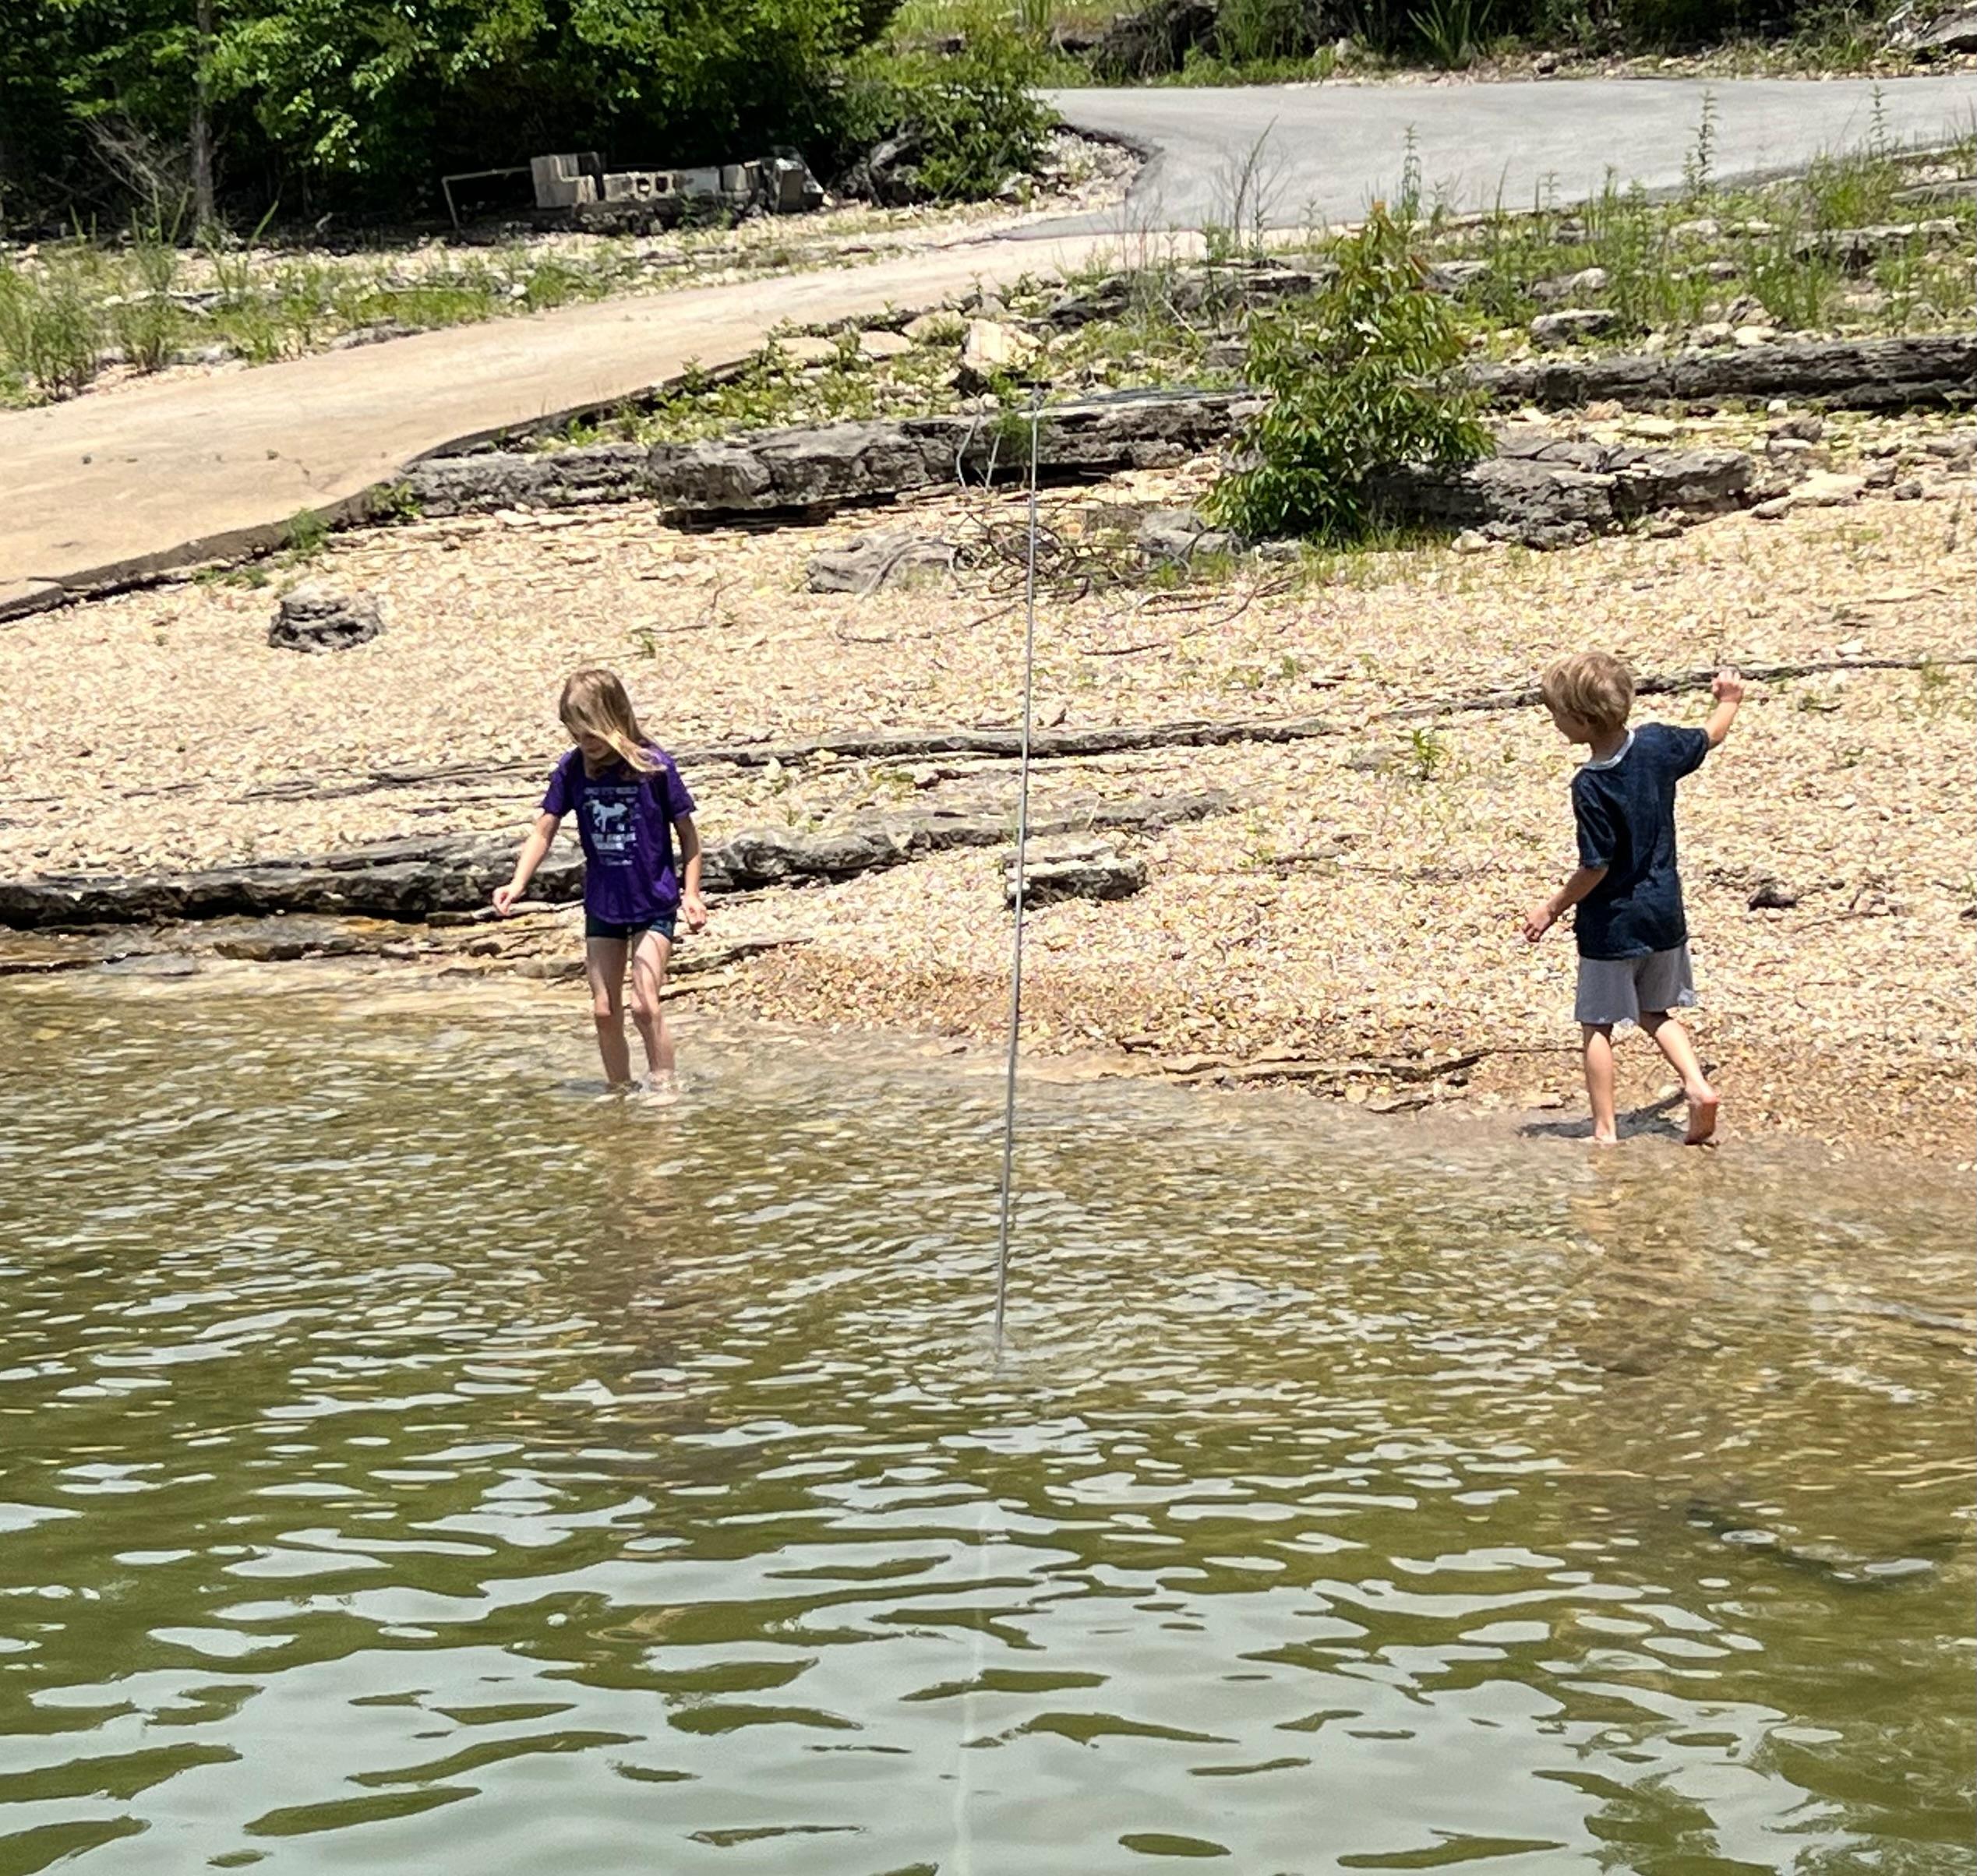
(1702, 1115)
(1606, 1140)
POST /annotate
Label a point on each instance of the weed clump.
(1361, 380)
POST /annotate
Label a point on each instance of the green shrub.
(1359, 382)
(964, 123)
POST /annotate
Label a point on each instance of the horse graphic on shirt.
(613, 833)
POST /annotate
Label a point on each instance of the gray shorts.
(1617, 989)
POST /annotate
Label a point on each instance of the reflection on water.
(414, 1462)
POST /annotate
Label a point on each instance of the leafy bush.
(959, 126)
(1358, 379)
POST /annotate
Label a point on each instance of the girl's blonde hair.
(1593, 686)
(594, 704)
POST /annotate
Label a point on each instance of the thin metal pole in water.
(1023, 839)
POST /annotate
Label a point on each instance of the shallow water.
(413, 1462)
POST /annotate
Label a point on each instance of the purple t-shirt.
(625, 821)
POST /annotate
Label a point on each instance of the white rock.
(1825, 489)
(880, 343)
(992, 349)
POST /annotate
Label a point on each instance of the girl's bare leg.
(1598, 1046)
(1673, 1042)
(649, 967)
(604, 963)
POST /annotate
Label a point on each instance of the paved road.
(1324, 151)
(117, 485)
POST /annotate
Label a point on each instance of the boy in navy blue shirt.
(1633, 939)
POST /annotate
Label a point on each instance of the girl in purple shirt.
(629, 802)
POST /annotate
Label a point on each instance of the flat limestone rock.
(1057, 870)
(886, 556)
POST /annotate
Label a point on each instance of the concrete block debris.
(577, 184)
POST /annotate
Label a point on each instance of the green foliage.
(49, 328)
(1359, 382)
(1451, 30)
(321, 103)
(965, 123)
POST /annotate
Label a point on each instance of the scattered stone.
(1655, 429)
(1180, 534)
(1074, 869)
(807, 348)
(1574, 322)
(1469, 541)
(369, 335)
(993, 350)
(1705, 227)
(880, 343)
(1823, 488)
(1568, 286)
(1773, 894)
(1751, 336)
(935, 329)
(1775, 509)
(1807, 425)
(1455, 276)
(314, 618)
(1544, 64)
(1711, 332)
(868, 561)
(1908, 491)
(1954, 32)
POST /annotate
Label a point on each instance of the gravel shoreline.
(1358, 906)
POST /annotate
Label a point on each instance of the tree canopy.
(318, 103)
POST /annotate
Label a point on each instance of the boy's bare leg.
(1673, 1042)
(1598, 1038)
(604, 963)
(649, 967)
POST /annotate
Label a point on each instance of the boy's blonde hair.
(1593, 686)
(594, 704)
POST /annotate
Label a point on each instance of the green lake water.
(414, 1461)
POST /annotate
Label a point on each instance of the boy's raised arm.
(1728, 689)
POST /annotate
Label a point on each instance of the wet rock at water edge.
(1074, 869)
(316, 617)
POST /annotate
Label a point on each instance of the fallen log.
(409, 879)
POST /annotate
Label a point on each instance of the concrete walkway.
(107, 487)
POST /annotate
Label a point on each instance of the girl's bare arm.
(692, 906)
(533, 850)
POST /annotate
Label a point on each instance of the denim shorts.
(1617, 989)
(664, 923)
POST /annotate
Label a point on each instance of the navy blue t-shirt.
(1625, 807)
